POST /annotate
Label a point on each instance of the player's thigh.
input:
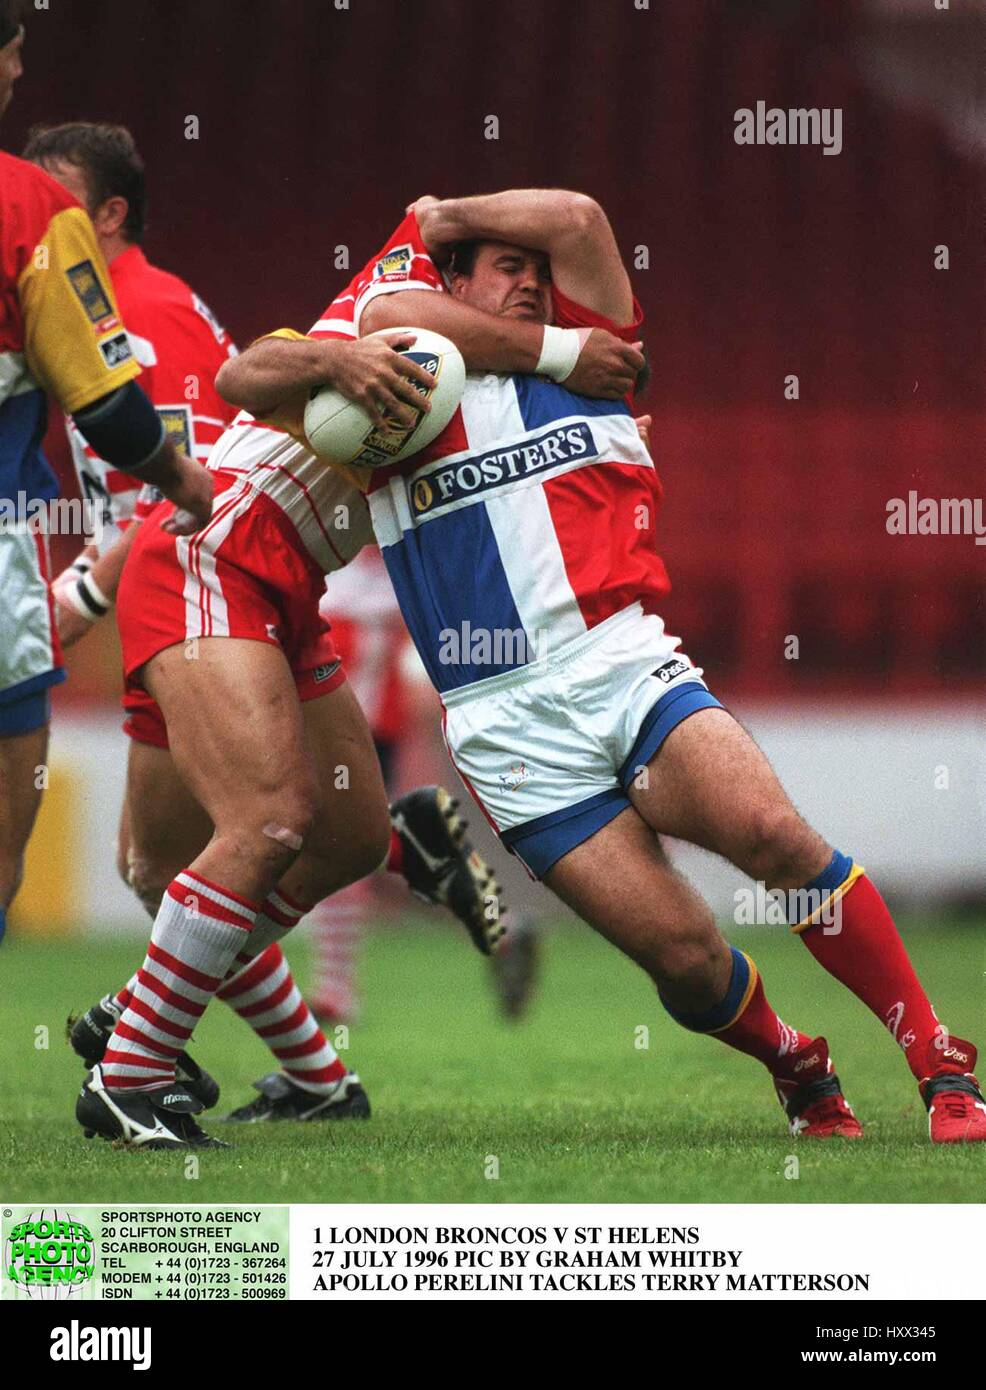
(711, 784)
(621, 882)
(236, 733)
(22, 757)
(352, 822)
(163, 826)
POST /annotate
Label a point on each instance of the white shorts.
(30, 654)
(549, 757)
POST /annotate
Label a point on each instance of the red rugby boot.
(955, 1105)
(811, 1095)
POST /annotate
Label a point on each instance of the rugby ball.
(341, 431)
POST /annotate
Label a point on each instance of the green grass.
(570, 1107)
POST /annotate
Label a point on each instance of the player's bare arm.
(126, 430)
(86, 590)
(606, 368)
(277, 372)
(570, 228)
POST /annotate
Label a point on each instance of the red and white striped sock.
(198, 932)
(335, 924)
(265, 995)
(275, 919)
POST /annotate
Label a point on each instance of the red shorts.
(245, 574)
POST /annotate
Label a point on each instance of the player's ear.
(111, 215)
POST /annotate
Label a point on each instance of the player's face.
(508, 280)
(11, 68)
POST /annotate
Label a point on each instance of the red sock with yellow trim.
(858, 943)
(746, 1021)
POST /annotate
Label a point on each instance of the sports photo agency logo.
(50, 1255)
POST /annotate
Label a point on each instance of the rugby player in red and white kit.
(180, 347)
(221, 633)
(532, 515)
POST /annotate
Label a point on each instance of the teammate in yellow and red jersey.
(61, 335)
(180, 346)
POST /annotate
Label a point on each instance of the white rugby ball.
(341, 431)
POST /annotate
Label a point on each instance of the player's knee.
(358, 857)
(284, 822)
(686, 959)
(773, 846)
(374, 846)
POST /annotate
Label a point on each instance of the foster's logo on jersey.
(481, 474)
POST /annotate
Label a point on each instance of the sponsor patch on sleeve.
(178, 425)
(89, 291)
(115, 350)
(394, 264)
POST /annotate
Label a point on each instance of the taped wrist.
(560, 348)
(87, 598)
(123, 428)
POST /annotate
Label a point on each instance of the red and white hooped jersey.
(180, 347)
(531, 518)
(324, 503)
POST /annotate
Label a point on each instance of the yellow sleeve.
(290, 416)
(75, 343)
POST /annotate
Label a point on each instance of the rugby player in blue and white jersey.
(521, 548)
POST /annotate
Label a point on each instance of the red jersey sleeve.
(568, 314)
(402, 264)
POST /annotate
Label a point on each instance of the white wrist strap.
(560, 350)
(86, 598)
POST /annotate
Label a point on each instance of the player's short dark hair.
(11, 19)
(462, 260)
(108, 158)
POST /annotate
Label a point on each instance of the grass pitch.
(566, 1101)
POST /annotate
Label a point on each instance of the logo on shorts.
(516, 777)
(116, 350)
(671, 669)
(322, 673)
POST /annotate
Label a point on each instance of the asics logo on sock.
(956, 1055)
(805, 1062)
(895, 1017)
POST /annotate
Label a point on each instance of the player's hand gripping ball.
(341, 431)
